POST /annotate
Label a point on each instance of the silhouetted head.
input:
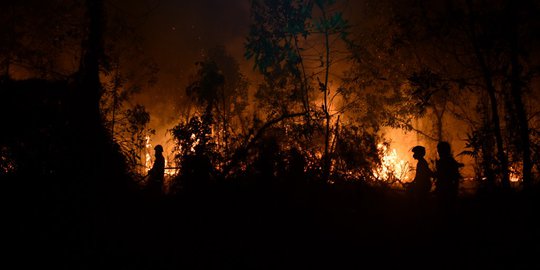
(419, 152)
(158, 149)
(295, 151)
(443, 148)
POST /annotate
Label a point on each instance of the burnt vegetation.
(287, 171)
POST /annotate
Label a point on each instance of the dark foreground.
(265, 226)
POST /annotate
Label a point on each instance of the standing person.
(447, 176)
(421, 185)
(156, 175)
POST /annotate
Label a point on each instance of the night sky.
(373, 133)
(176, 33)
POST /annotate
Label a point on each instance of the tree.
(296, 45)
(47, 51)
(468, 45)
(132, 137)
(129, 70)
(521, 35)
(430, 91)
(231, 99)
(219, 93)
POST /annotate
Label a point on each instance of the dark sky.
(177, 31)
(175, 35)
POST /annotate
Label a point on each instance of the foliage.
(297, 46)
(356, 153)
(455, 57)
(37, 37)
(132, 137)
(205, 141)
(193, 137)
(205, 89)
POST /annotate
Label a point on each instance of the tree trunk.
(516, 88)
(327, 160)
(487, 148)
(303, 80)
(115, 95)
(503, 159)
(490, 88)
(439, 125)
(87, 118)
(93, 52)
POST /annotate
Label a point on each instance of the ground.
(272, 226)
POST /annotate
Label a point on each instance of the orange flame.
(392, 168)
(148, 160)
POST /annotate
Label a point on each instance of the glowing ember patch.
(6, 165)
(515, 175)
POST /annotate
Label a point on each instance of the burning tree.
(486, 56)
(298, 46)
(461, 61)
(132, 136)
(219, 94)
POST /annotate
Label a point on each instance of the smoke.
(176, 35)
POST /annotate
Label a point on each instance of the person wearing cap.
(421, 185)
(156, 175)
(447, 176)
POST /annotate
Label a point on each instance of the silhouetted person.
(156, 175)
(421, 185)
(296, 164)
(267, 159)
(447, 176)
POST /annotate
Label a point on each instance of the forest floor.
(271, 226)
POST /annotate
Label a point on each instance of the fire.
(392, 168)
(515, 175)
(169, 170)
(148, 160)
(193, 136)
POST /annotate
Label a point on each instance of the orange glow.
(515, 176)
(148, 159)
(393, 167)
(169, 170)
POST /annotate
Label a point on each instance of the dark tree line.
(287, 172)
(473, 61)
(324, 80)
(328, 85)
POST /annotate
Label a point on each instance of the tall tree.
(219, 94)
(47, 51)
(133, 136)
(521, 34)
(473, 46)
(232, 97)
(297, 45)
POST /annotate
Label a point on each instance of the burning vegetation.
(326, 87)
(254, 130)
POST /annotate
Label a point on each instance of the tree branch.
(241, 153)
